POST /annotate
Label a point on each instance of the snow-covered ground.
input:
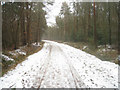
(61, 66)
(17, 52)
(6, 58)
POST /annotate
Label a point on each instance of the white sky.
(54, 11)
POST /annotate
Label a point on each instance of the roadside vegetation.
(105, 53)
(10, 59)
(23, 24)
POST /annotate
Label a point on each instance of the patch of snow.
(105, 50)
(16, 52)
(99, 46)
(36, 44)
(108, 46)
(118, 58)
(103, 46)
(12, 53)
(7, 58)
(20, 52)
(84, 47)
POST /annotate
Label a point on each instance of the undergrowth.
(9, 65)
(110, 55)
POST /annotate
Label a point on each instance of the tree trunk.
(119, 29)
(28, 22)
(109, 24)
(74, 32)
(38, 31)
(23, 32)
(95, 33)
(64, 29)
(88, 22)
(17, 35)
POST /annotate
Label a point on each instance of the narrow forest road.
(61, 66)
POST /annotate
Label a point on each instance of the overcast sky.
(54, 11)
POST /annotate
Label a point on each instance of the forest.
(22, 24)
(96, 23)
(80, 49)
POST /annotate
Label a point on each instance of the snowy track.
(61, 66)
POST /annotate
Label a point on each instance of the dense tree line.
(91, 22)
(22, 23)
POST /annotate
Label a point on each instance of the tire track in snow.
(86, 75)
(38, 77)
(58, 74)
(46, 64)
(77, 80)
